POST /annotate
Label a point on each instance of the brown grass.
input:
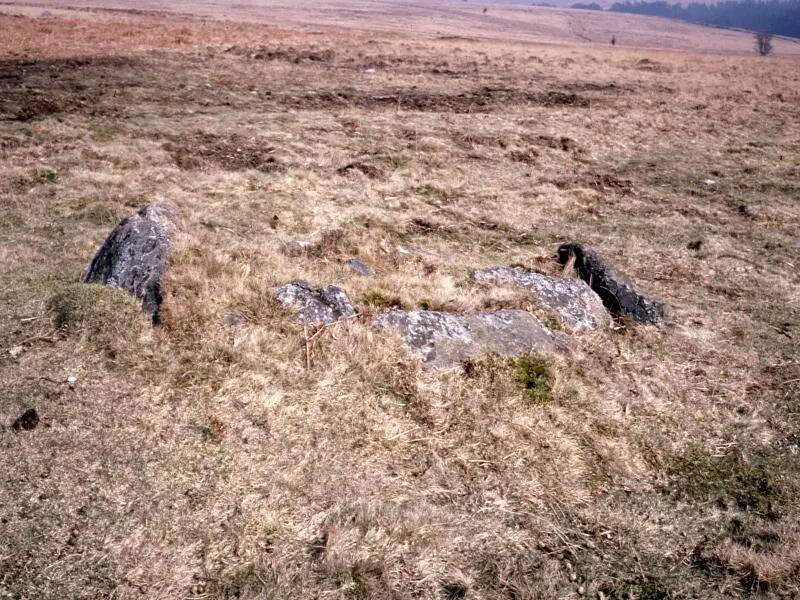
(464, 22)
(203, 460)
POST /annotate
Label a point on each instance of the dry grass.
(455, 19)
(200, 460)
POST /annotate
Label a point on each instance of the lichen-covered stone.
(136, 255)
(617, 291)
(575, 304)
(321, 306)
(443, 339)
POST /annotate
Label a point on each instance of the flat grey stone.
(359, 266)
(234, 320)
(443, 339)
(575, 304)
(135, 256)
(618, 292)
(321, 306)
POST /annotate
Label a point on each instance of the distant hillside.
(436, 18)
(774, 16)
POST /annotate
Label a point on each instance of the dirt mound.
(288, 53)
(34, 89)
(231, 153)
(484, 99)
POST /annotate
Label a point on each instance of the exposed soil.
(33, 89)
(290, 54)
(231, 153)
(370, 171)
(475, 101)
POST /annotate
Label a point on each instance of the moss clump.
(533, 376)
(107, 318)
(552, 322)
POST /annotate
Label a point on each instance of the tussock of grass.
(109, 319)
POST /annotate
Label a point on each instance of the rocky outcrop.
(321, 306)
(574, 303)
(619, 294)
(136, 255)
(443, 339)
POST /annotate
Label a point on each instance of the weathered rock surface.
(320, 306)
(359, 266)
(618, 292)
(136, 255)
(445, 339)
(575, 304)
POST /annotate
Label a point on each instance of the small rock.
(234, 320)
(16, 351)
(315, 306)
(72, 380)
(359, 267)
(26, 421)
(619, 294)
(135, 256)
(709, 183)
(445, 339)
(576, 305)
(297, 247)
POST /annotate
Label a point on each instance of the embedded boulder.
(577, 307)
(321, 306)
(136, 255)
(360, 267)
(443, 339)
(618, 292)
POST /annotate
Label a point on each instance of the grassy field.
(201, 460)
(439, 18)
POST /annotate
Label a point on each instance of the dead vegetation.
(208, 457)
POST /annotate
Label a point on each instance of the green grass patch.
(765, 481)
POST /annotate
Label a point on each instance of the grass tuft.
(109, 319)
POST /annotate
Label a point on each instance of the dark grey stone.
(136, 255)
(443, 339)
(359, 266)
(321, 306)
(619, 294)
(26, 421)
(575, 304)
